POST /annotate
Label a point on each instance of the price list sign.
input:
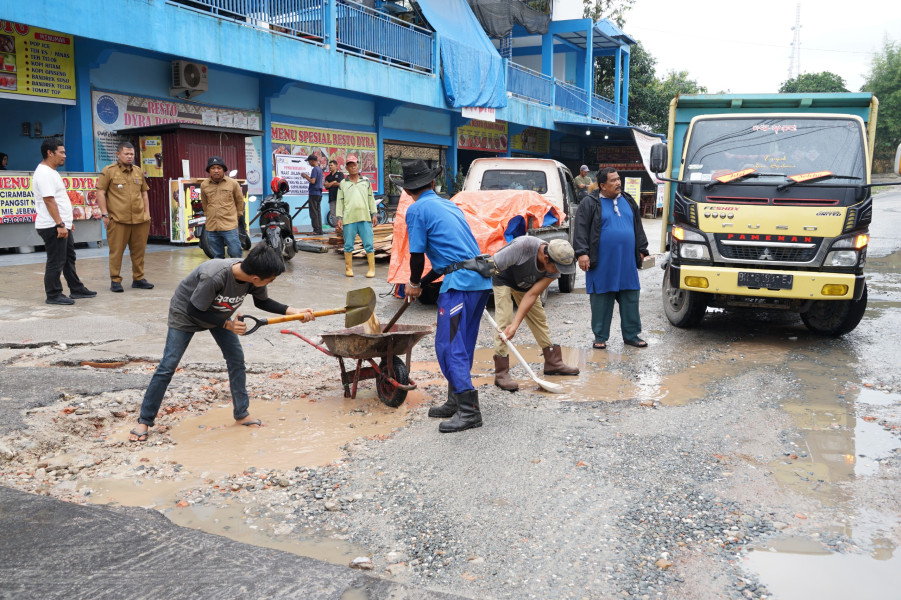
(36, 64)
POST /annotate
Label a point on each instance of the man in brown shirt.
(123, 199)
(223, 205)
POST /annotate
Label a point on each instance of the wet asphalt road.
(678, 471)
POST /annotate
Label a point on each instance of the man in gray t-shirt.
(525, 268)
(205, 300)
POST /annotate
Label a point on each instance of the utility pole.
(794, 61)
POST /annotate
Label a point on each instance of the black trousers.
(316, 213)
(60, 259)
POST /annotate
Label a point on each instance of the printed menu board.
(291, 145)
(17, 197)
(483, 135)
(532, 139)
(152, 155)
(36, 64)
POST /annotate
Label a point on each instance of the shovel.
(554, 388)
(360, 306)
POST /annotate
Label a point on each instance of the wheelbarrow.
(391, 374)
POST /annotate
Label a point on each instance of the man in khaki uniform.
(223, 205)
(122, 194)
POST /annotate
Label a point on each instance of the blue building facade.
(292, 77)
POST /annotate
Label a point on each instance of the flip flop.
(637, 342)
(599, 345)
(140, 434)
(254, 422)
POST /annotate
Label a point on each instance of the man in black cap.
(436, 227)
(315, 201)
(223, 206)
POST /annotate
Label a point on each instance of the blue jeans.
(362, 229)
(459, 317)
(176, 343)
(219, 239)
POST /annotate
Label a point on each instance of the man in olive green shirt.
(356, 214)
(122, 195)
(582, 181)
(223, 205)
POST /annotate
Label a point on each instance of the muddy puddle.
(210, 446)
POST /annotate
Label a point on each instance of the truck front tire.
(566, 282)
(834, 318)
(683, 308)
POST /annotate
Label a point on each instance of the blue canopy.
(474, 73)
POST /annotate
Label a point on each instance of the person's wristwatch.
(60, 224)
(105, 216)
(414, 285)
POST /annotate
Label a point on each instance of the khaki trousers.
(504, 311)
(120, 235)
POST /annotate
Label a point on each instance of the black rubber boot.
(468, 414)
(446, 410)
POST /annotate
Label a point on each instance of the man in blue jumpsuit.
(437, 228)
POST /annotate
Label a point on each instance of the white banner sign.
(644, 143)
(290, 167)
(477, 112)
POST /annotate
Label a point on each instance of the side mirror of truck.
(897, 165)
(659, 158)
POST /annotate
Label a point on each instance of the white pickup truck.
(552, 179)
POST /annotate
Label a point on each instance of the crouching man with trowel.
(204, 301)
(437, 229)
(525, 268)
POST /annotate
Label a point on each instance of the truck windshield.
(508, 179)
(775, 148)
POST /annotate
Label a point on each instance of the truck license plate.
(770, 281)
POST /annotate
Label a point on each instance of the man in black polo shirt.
(332, 181)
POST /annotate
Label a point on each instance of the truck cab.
(769, 208)
(550, 178)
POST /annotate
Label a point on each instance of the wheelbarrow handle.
(272, 321)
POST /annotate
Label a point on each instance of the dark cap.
(215, 160)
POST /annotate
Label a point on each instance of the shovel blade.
(360, 306)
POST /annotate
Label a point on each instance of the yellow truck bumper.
(805, 285)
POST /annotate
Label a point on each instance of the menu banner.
(17, 198)
(297, 142)
(114, 112)
(532, 139)
(36, 64)
(483, 135)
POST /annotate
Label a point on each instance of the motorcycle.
(198, 222)
(276, 223)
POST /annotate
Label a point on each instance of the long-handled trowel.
(359, 309)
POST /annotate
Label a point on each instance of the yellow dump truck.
(767, 205)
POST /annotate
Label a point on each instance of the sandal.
(139, 435)
(637, 342)
(599, 345)
(256, 422)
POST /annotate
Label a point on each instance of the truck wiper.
(818, 176)
(739, 175)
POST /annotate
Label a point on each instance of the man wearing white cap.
(582, 181)
(525, 268)
(357, 216)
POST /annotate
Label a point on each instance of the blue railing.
(302, 19)
(529, 84)
(375, 35)
(603, 109)
(570, 97)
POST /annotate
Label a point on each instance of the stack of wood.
(382, 237)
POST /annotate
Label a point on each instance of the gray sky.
(739, 47)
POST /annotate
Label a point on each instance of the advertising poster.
(328, 144)
(17, 197)
(483, 135)
(633, 187)
(184, 194)
(253, 164)
(152, 155)
(36, 64)
(291, 168)
(532, 139)
(113, 112)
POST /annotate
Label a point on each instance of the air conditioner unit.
(188, 77)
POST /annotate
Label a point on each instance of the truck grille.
(767, 253)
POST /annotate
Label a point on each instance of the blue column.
(267, 92)
(624, 120)
(330, 29)
(617, 88)
(547, 54)
(589, 61)
(79, 133)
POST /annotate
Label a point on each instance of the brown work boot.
(502, 377)
(553, 362)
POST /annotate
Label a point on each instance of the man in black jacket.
(610, 245)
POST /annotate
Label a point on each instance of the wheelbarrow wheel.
(389, 394)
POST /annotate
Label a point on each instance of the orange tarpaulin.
(488, 213)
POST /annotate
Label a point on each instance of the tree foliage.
(615, 10)
(884, 81)
(824, 81)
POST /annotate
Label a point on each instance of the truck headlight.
(841, 258)
(694, 251)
